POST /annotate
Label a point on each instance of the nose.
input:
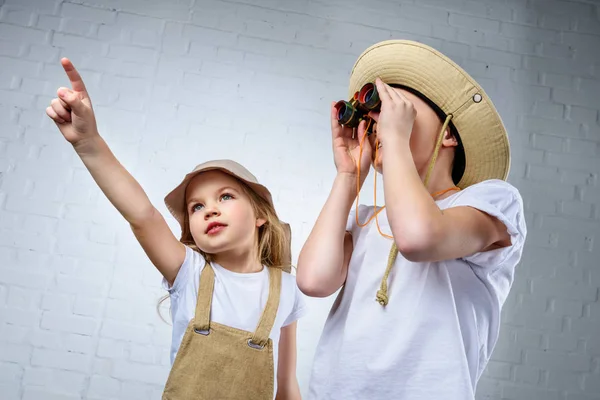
(210, 212)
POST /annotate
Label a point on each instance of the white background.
(175, 83)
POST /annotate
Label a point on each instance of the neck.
(441, 176)
(240, 261)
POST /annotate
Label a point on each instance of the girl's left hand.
(397, 114)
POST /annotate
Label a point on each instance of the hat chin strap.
(382, 294)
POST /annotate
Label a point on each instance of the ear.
(449, 139)
(260, 222)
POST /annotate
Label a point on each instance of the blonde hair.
(273, 240)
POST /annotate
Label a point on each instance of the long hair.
(273, 242)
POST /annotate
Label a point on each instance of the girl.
(234, 312)
(423, 286)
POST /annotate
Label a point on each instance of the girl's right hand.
(72, 110)
(346, 149)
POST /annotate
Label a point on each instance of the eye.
(197, 207)
(226, 196)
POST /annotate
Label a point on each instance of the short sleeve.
(300, 308)
(188, 265)
(502, 201)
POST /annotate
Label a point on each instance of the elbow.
(418, 245)
(143, 216)
(312, 288)
(311, 285)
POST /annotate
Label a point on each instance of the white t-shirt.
(435, 336)
(238, 300)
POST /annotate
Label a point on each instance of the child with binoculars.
(422, 288)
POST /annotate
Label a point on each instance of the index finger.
(74, 77)
(384, 95)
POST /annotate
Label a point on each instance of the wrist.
(346, 183)
(394, 141)
(89, 145)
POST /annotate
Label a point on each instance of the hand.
(72, 110)
(346, 149)
(397, 114)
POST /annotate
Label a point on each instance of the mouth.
(214, 228)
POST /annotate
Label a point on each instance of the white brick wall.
(170, 79)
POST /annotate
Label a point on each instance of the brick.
(511, 392)
(527, 374)
(16, 16)
(88, 307)
(563, 290)
(10, 372)
(125, 331)
(139, 372)
(25, 299)
(558, 361)
(557, 66)
(478, 24)
(558, 342)
(109, 348)
(210, 37)
(571, 97)
(56, 302)
(63, 322)
(45, 7)
(104, 386)
(48, 22)
(76, 27)
(15, 353)
(132, 53)
(91, 14)
(78, 44)
(577, 209)
(574, 162)
(35, 394)
(25, 34)
(60, 359)
(146, 39)
(261, 46)
(55, 380)
(137, 391)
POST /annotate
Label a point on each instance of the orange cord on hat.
(382, 295)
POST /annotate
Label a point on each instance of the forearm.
(321, 269)
(412, 213)
(288, 390)
(117, 184)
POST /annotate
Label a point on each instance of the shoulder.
(491, 187)
(496, 192)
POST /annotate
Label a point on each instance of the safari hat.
(175, 200)
(439, 79)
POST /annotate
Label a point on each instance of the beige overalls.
(216, 361)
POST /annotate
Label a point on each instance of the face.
(426, 129)
(221, 215)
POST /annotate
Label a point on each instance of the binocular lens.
(368, 97)
(347, 114)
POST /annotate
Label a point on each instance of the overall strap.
(205, 294)
(261, 336)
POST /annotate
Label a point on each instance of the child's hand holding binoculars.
(72, 110)
(347, 152)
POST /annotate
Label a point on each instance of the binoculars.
(350, 113)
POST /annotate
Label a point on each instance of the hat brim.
(424, 69)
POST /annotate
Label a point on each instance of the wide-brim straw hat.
(175, 200)
(454, 91)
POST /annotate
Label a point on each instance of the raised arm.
(74, 116)
(323, 261)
